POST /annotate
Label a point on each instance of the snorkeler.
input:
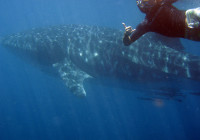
(163, 18)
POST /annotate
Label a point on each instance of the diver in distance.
(163, 18)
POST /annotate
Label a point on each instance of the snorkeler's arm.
(138, 32)
(135, 34)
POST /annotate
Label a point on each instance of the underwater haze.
(35, 105)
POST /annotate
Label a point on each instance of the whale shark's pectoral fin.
(72, 76)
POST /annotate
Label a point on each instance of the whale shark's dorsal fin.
(72, 76)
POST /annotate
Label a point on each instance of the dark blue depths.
(34, 105)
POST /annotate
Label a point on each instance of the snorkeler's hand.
(128, 30)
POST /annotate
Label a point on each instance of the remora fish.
(78, 52)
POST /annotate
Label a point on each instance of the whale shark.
(80, 52)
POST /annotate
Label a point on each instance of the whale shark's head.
(39, 46)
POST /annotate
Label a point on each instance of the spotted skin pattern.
(78, 52)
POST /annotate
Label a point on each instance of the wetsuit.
(164, 19)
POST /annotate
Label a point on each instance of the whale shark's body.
(78, 52)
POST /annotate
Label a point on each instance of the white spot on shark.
(185, 58)
(188, 72)
(167, 58)
(96, 54)
(165, 69)
(64, 74)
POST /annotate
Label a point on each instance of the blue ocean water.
(38, 106)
